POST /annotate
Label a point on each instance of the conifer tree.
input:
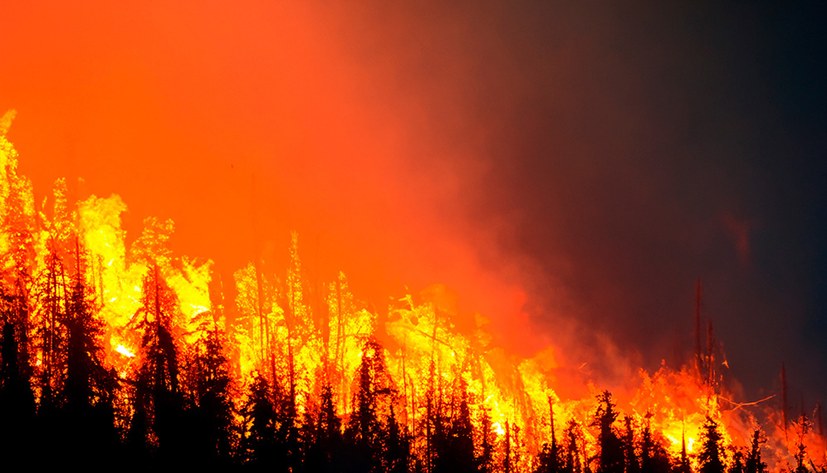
(485, 457)
(710, 456)
(365, 430)
(653, 456)
(455, 447)
(258, 442)
(323, 443)
(754, 464)
(683, 465)
(16, 399)
(611, 456)
(573, 463)
(550, 455)
(397, 446)
(211, 409)
(157, 386)
(631, 462)
(89, 387)
(737, 465)
(803, 426)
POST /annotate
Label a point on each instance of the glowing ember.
(124, 351)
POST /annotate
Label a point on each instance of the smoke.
(606, 158)
(568, 171)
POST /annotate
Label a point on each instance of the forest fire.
(282, 373)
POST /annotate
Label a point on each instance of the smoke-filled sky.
(570, 169)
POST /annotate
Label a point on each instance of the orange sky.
(242, 124)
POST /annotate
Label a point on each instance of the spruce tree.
(631, 463)
(710, 456)
(16, 400)
(572, 461)
(754, 464)
(210, 405)
(258, 442)
(653, 456)
(611, 456)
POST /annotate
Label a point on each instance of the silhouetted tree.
(397, 446)
(50, 292)
(737, 465)
(549, 458)
(611, 457)
(507, 454)
(364, 431)
(631, 463)
(573, 437)
(710, 456)
(16, 401)
(324, 441)
(433, 423)
(288, 438)
(683, 466)
(485, 451)
(211, 409)
(258, 442)
(136, 448)
(157, 386)
(89, 387)
(454, 446)
(653, 456)
(754, 464)
(803, 425)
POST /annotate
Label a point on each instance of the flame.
(125, 351)
(275, 325)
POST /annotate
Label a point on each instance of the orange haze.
(242, 124)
